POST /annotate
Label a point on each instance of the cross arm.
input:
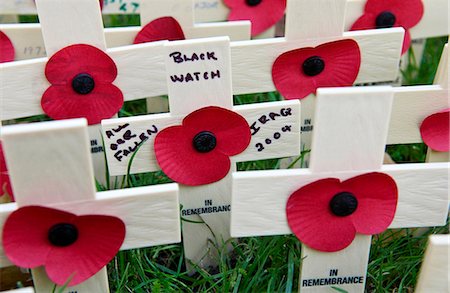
(412, 104)
(259, 211)
(380, 52)
(146, 127)
(151, 214)
(28, 42)
(140, 75)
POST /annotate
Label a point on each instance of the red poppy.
(435, 131)
(70, 247)
(300, 72)
(326, 214)
(197, 152)
(164, 28)
(391, 13)
(6, 48)
(81, 77)
(5, 183)
(262, 14)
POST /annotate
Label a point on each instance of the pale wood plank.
(435, 274)
(380, 53)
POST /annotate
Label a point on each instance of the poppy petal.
(365, 22)
(377, 196)
(435, 131)
(407, 13)
(311, 220)
(233, 137)
(5, 183)
(164, 28)
(406, 42)
(99, 239)
(342, 61)
(179, 160)
(25, 234)
(262, 16)
(7, 53)
(62, 102)
(65, 64)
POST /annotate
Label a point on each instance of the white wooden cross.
(442, 79)
(435, 271)
(310, 23)
(434, 22)
(412, 104)
(50, 165)
(274, 128)
(140, 67)
(28, 41)
(349, 140)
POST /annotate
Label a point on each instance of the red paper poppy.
(391, 13)
(262, 14)
(5, 183)
(435, 131)
(70, 247)
(197, 152)
(300, 72)
(327, 214)
(81, 77)
(6, 48)
(164, 28)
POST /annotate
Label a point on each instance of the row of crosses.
(140, 66)
(212, 10)
(147, 70)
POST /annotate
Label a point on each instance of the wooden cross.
(349, 140)
(412, 104)
(434, 273)
(140, 67)
(310, 23)
(50, 165)
(434, 22)
(28, 41)
(442, 79)
(274, 127)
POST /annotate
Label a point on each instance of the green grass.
(268, 264)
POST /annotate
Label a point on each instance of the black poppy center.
(385, 19)
(83, 83)
(253, 2)
(63, 234)
(204, 142)
(343, 204)
(313, 66)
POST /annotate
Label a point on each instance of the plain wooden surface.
(434, 274)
